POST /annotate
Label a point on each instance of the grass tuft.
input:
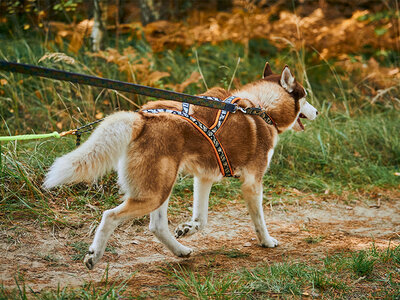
(362, 265)
(313, 239)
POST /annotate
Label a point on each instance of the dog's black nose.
(316, 113)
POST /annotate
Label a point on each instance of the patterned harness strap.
(208, 133)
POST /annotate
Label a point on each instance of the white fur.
(159, 226)
(308, 110)
(270, 154)
(264, 94)
(201, 193)
(107, 226)
(253, 196)
(99, 154)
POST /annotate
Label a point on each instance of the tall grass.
(337, 152)
(354, 143)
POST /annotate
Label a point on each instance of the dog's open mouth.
(299, 121)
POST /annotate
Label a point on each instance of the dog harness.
(208, 133)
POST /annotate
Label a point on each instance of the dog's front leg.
(252, 193)
(201, 194)
(159, 226)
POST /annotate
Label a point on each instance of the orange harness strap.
(208, 133)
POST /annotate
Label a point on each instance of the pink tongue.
(301, 124)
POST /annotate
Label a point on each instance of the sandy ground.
(44, 255)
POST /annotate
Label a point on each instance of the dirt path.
(307, 230)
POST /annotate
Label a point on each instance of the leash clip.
(78, 135)
(240, 109)
(258, 111)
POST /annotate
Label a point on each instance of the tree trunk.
(98, 31)
(152, 10)
(224, 5)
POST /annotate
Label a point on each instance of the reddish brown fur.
(167, 141)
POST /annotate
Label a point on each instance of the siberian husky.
(149, 149)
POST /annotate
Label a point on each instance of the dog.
(148, 150)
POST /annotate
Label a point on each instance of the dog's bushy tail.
(99, 154)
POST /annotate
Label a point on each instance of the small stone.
(248, 244)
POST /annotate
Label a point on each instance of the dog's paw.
(270, 243)
(183, 252)
(187, 229)
(91, 259)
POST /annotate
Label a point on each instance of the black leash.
(211, 102)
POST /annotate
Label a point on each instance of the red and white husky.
(149, 150)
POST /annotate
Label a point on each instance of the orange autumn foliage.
(327, 35)
(138, 68)
(330, 37)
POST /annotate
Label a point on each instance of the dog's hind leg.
(106, 227)
(201, 194)
(159, 226)
(253, 195)
(131, 207)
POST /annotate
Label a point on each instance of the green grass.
(341, 275)
(353, 145)
(361, 264)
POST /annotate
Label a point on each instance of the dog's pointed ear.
(287, 80)
(267, 70)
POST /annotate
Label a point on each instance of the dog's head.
(296, 106)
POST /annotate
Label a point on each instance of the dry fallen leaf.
(156, 76)
(193, 78)
(39, 95)
(393, 72)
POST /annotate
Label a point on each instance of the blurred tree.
(156, 10)
(152, 10)
(98, 31)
